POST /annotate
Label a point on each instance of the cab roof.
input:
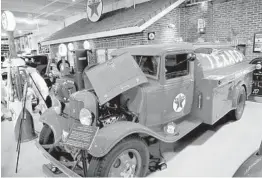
(158, 49)
(153, 50)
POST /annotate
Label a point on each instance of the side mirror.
(191, 57)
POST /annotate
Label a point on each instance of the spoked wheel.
(129, 158)
(241, 101)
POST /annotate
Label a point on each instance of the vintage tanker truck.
(145, 93)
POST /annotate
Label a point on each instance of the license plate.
(81, 136)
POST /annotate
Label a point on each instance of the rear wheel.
(241, 101)
(129, 158)
(46, 135)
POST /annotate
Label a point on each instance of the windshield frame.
(158, 59)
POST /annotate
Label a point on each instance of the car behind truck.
(145, 93)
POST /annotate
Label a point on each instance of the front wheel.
(241, 101)
(129, 158)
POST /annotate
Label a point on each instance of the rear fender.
(109, 136)
(55, 122)
(236, 93)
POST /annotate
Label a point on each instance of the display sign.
(94, 9)
(201, 24)
(81, 136)
(257, 42)
(8, 21)
(43, 49)
(151, 36)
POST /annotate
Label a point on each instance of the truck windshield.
(148, 64)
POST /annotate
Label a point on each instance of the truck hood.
(115, 76)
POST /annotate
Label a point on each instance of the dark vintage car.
(252, 167)
(40, 62)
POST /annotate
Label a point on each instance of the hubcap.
(127, 164)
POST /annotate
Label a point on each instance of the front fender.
(55, 122)
(109, 136)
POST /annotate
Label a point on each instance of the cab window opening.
(176, 65)
(148, 64)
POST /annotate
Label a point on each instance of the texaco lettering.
(219, 64)
(230, 57)
(210, 60)
(218, 60)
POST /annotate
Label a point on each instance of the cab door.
(178, 86)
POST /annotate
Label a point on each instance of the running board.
(183, 128)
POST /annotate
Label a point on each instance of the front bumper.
(47, 168)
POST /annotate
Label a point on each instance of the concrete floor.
(207, 151)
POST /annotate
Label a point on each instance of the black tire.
(46, 135)
(100, 167)
(60, 63)
(241, 101)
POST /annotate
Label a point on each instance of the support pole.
(18, 148)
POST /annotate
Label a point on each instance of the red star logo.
(93, 8)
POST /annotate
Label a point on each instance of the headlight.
(85, 117)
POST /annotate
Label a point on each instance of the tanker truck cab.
(159, 92)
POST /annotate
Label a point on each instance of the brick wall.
(235, 19)
(225, 22)
(163, 32)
